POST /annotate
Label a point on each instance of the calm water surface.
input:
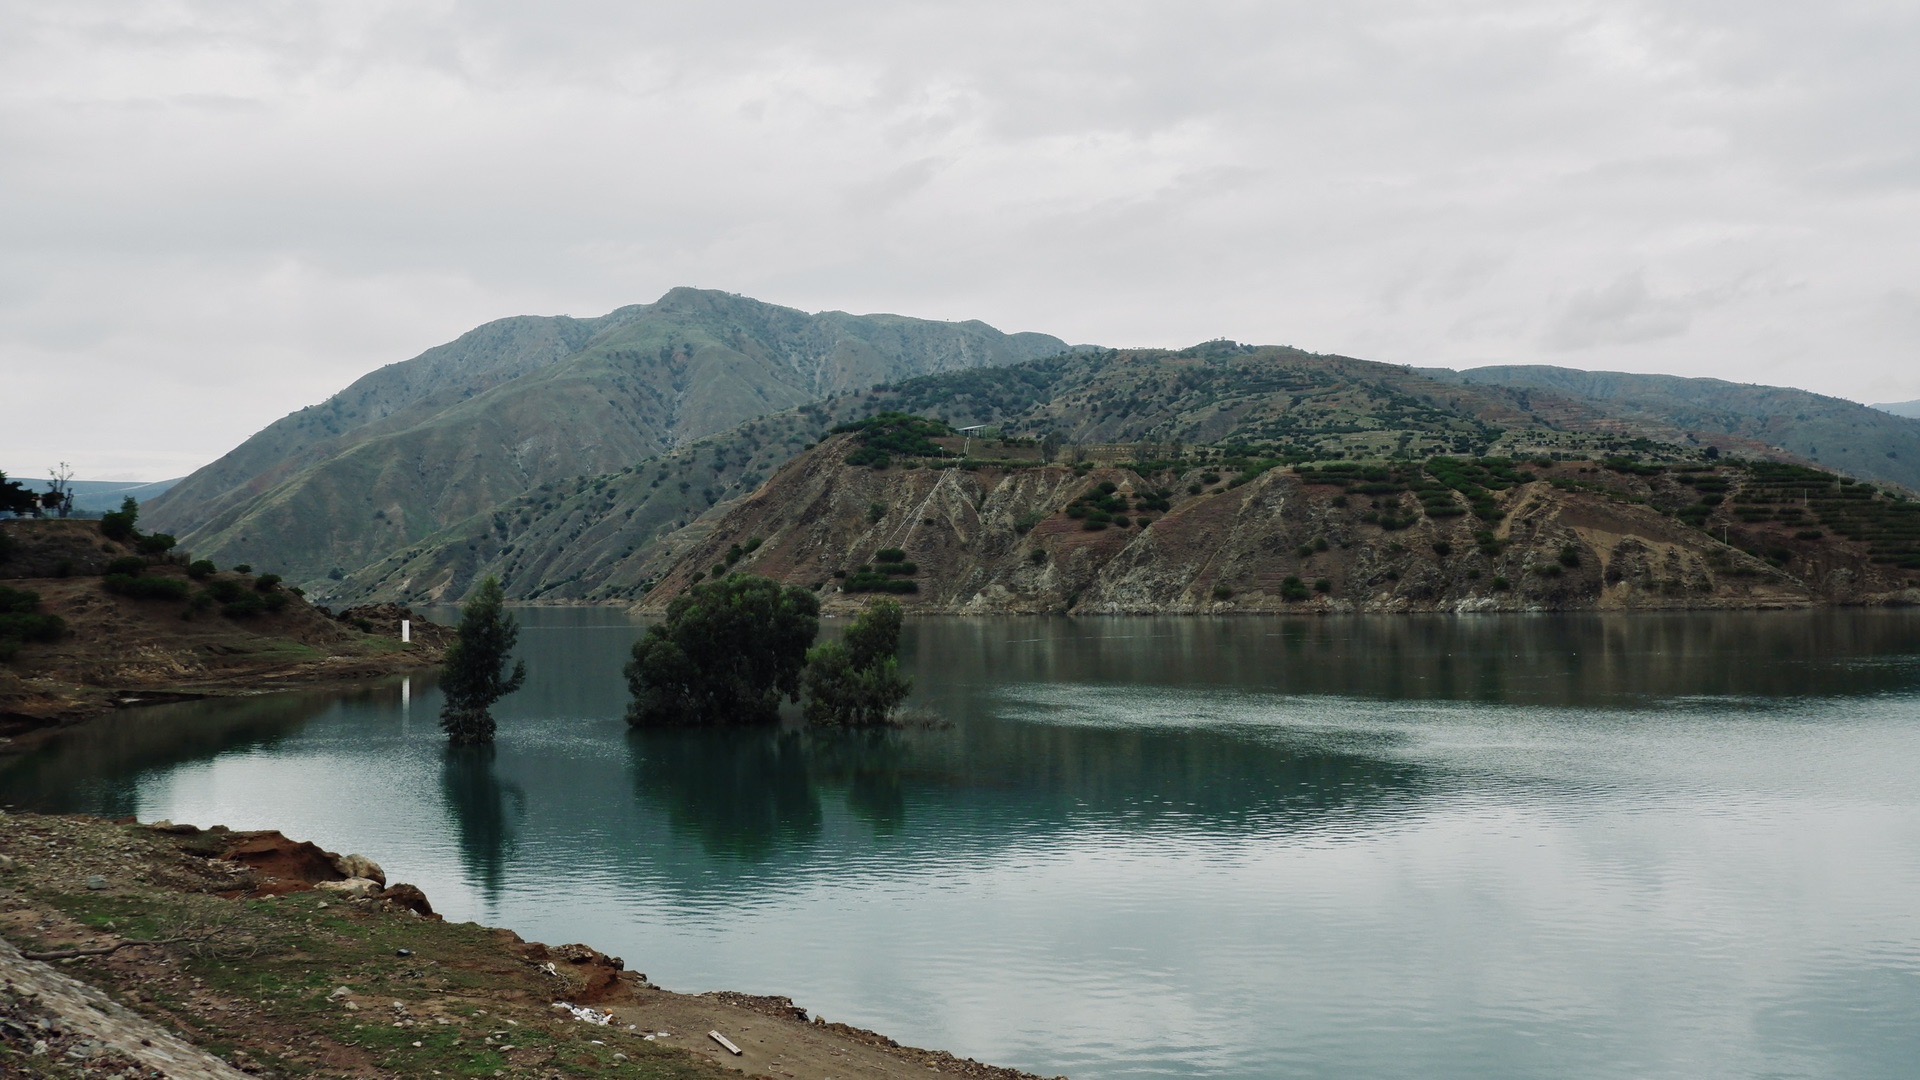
(1656, 846)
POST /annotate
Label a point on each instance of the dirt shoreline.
(173, 639)
(277, 959)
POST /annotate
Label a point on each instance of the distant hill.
(1868, 443)
(601, 538)
(99, 496)
(576, 459)
(1909, 409)
(522, 402)
(609, 537)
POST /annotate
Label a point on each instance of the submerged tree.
(856, 681)
(475, 675)
(727, 652)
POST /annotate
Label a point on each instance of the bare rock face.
(279, 865)
(353, 888)
(409, 897)
(359, 866)
(1564, 536)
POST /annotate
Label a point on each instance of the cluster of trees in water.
(726, 654)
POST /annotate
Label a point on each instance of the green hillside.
(416, 446)
(1901, 408)
(1868, 443)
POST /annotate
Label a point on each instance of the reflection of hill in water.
(1590, 661)
(93, 768)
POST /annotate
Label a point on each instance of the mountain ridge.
(571, 456)
(414, 446)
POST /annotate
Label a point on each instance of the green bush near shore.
(22, 622)
(146, 588)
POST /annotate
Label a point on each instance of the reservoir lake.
(1680, 845)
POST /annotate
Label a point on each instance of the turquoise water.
(1654, 846)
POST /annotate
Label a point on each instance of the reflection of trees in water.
(753, 794)
(743, 792)
(478, 802)
(94, 768)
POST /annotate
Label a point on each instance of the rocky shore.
(156, 950)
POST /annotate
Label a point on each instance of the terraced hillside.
(1216, 533)
(1868, 443)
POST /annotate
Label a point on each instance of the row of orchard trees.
(727, 653)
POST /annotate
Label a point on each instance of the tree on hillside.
(475, 675)
(727, 652)
(856, 681)
(59, 496)
(15, 498)
(1050, 446)
(118, 524)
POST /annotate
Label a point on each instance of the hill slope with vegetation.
(90, 622)
(1215, 531)
(609, 537)
(419, 445)
(1874, 444)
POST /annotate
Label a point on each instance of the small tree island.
(730, 649)
(475, 676)
(856, 681)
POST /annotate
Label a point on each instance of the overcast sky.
(214, 213)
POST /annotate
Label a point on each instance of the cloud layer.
(212, 213)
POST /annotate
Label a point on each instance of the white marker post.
(406, 631)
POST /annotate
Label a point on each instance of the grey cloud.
(1622, 312)
(246, 206)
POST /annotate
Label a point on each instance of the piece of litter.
(582, 1013)
(723, 1041)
